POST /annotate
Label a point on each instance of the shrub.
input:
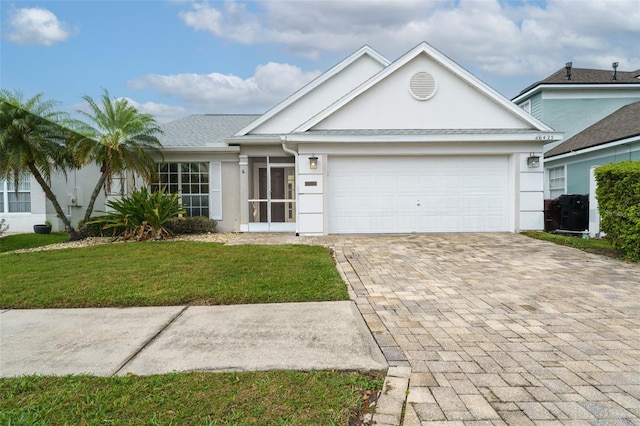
(142, 215)
(618, 195)
(4, 227)
(192, 225)
(93, 228)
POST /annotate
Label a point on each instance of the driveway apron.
(498, 328)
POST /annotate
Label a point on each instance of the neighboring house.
(26, 208)
(370, 146)
(613, 139)
(572, 99)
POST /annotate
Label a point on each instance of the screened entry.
(272, 199)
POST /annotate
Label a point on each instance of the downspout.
(291, 151)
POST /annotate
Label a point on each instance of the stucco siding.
(390, 105)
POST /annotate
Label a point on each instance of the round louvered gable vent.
(422, 85)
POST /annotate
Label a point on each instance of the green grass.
(27, 241)
(168, 273)
(599, 246)
(255, 398)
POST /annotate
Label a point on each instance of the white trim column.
(244, 193)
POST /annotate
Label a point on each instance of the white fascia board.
(566, 155)
(526, 95)
(230, 149)
(569, 89)
(427, 49)
(489, 137)
(364, 50)
(257, 140)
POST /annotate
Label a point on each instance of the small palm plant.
(142, 215)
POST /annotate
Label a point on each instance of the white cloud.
(501, 38)
(224, 93)
(36, 26)
(162, 112)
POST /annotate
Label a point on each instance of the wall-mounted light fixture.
(533, 161)
(313, 162)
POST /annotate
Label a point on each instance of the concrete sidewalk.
(156, 340)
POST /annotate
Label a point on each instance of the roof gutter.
(626, 141)
(489, 137)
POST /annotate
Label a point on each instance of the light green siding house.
(572, 100)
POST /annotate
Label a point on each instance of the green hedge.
(618, 196)
(191, 225)
(95, 229)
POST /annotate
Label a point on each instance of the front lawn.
(256, 398)
(27, 241)
(592, 245)
(168, 273)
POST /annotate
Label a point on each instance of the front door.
(276, 197)
(273, 193)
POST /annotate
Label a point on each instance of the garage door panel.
(418, 194)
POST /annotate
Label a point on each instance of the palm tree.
(33, 140)
(119, 139)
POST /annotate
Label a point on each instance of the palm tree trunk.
(52, 197)
(94, 195)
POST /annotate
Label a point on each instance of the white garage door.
(418, 194)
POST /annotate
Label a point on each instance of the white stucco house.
(370, 146)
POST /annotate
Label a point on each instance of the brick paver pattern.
(499, 328)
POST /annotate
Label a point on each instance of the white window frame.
(526, 105)
(552, 179)
(214, 193)
(7, 189)
(118, 185)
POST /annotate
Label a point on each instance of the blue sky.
(177, 57)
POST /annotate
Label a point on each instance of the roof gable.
(319, 93)
(384, 101)
(621, 124)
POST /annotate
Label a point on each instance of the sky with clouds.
(178, 57)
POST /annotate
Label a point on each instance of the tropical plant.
(34, 138)
(119, 139)
(143, 214)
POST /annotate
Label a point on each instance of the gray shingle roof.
(203, 130)
(621, 124)
(588, 76)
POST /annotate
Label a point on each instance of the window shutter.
(215, 182)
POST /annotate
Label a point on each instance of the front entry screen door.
(275, 202)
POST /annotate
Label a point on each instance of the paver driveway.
(500, 328)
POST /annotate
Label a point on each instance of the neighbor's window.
(526, 105)
(190, 180)
(10, 202)
(118, 185)
(556, 182)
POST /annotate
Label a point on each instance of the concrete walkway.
(495, 328)
(156, 340)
